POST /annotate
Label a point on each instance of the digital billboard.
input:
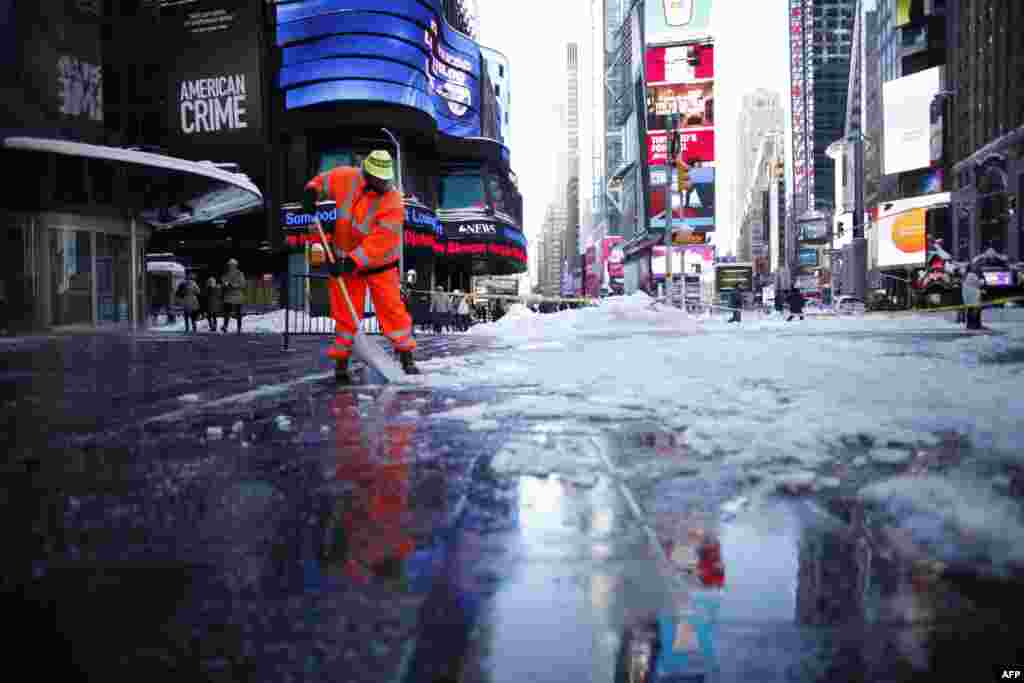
(808, 256)
(695, 145)
(214, 89)
(676, 21)
(53, 66)
(906, 104)
(396, 51)
(901, 227)
(692, 103)
(680, 63)
(699, 212)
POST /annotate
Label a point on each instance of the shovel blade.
(381, 367)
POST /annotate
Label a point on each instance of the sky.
(751, 52)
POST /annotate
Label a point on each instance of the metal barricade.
(308, 308)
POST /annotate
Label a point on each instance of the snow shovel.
(382, 368)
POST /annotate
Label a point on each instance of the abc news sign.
(471, 230)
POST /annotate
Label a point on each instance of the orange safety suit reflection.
(369, 229)
(373, 518)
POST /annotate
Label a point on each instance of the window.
(501, 70)
(462, 190)
(334, 157)
(497, 90)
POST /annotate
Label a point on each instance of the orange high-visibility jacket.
(369, 225)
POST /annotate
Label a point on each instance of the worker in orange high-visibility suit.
(368, 536)
(367, 242)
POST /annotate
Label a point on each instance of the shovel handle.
(338, 279)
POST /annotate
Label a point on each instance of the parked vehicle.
(849, 305)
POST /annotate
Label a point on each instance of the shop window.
(71, 273)
(462, 190)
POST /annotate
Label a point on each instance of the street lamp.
(401, 192)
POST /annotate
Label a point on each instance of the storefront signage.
(423, 220)
(478, 229)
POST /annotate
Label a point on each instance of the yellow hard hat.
(379, 165)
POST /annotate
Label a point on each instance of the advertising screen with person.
(693, 103)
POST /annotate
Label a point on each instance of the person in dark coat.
(780, 302)
(796, 305)
(736, 301)
(234, 294)
(214, 302)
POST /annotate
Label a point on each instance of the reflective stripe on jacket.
(369, 225)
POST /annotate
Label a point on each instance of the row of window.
(454, 186)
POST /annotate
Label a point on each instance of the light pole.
(401, 192)
(859, 248)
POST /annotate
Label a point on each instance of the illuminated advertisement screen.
(676, 21)
(696, 211)
(808, 257)
(680, 63)
(395, 51)
(214, 86)
(906, 105)
(693, 103)
(695, 144)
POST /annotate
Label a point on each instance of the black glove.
(309, 198)
(342, 267)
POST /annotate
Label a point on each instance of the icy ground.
(794, 403)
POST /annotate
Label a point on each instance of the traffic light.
(682, 176)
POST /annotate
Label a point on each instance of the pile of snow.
(959, 521)
(616, 316)
(758, 393)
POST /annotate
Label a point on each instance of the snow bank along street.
(795, 404)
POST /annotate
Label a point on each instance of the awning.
(196, 191)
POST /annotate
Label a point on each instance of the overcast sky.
(751, 52)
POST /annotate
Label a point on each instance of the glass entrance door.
(113, 273)
(71, 276)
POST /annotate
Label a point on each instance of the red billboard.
(697, 145)
(693, 103)
(680, 63)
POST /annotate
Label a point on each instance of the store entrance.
(113, 273)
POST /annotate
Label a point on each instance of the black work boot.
(341, 375)
(407, 363)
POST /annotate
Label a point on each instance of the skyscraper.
(572, 190)
(820, 33)
(760, 113)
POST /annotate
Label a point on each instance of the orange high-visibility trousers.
(385, 290)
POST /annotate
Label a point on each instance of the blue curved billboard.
(396, 51)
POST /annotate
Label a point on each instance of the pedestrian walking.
(234, 295)
(188, 298)
(970, 290)
(462, 310)
(368, 240)
(737, 302)
(440, 308)
(214, 302)
(796, 304)
(780, 302)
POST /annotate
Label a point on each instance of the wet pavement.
(213, 508)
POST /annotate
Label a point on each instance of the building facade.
(984, 133)
(820, 40)
(339, 76)
(572, 250)
(760, 113)
(551, 254)
(93, 187)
